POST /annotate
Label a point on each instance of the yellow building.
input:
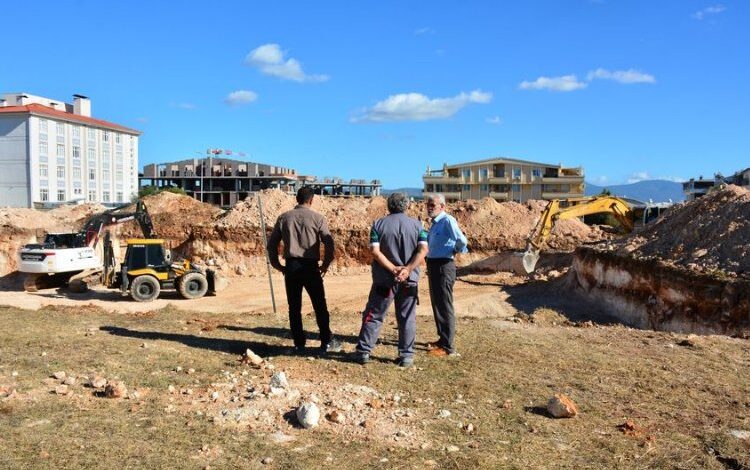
(504, 179)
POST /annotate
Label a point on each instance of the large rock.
(560, 406)
(278, 380)
(308, 415)
(115, 390)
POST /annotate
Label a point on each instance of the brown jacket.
(301, 229)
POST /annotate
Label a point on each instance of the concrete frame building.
(695, 188)
(54, 152)
(224, 182)
(505, 179)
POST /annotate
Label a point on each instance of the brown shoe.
(433, 345)
(437, 352)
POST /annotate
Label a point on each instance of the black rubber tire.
(192, 285)
(144, 288)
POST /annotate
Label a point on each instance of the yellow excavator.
(583, 206)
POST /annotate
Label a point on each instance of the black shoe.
(361, 358)
(297, 351)
(333, 346)
(405, 362)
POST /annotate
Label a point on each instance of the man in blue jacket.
(444, 239)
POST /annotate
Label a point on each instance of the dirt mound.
(708, 234)
(232, 241)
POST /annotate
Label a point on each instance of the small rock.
(444, 414)
(469, 428)
(452, 448)
(267, 461)
(171, 389)
(98, 382)
(115, 390)
(44, 353)
(135, 395)
(69, 380)
(14, 374)
(560, 406)
(178, 369)
(215, 396)
(278, 380)
(191, 371)
(740, 434)
(60, 375)
(61, 390)
(337, 417)
(375, 403)
(253, 359)
(308, 415)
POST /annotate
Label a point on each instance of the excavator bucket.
(529, 260)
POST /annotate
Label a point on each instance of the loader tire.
(144, 288)
(192, 285)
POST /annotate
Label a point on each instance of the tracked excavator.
(584, 206)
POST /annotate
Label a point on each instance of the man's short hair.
(305, 194)
(440, 198)
(397, 203)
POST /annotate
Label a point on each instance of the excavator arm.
(553, 212)
(94, 227)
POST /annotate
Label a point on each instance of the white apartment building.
(53, 152)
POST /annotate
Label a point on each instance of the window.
(119, 197)
(92, 195)
(467, 173)
(77, 191)
(60, 195)
(76, 151)
(105, 154)
(60, 150)
(467, 187)
(43, 147)
(60, 128)
(118, 174)
(536, 172)
(42, 126)
(516, 187)
(61, 172)
(105, 136)
(76, 131)
(43, 171)
(516, 172)
(105, 174)
(483, 187)
(76, 172)
(117, 138)
(92, 174)
(483, 173)
(92, 155)
(92, 133)
(44, 195)
(105, 196)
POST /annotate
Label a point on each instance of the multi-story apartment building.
(505, 179)
(224, 181)
(695, 188)
(53, 152)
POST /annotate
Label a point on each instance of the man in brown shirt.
(302, 230)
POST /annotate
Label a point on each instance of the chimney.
(21, 100)
(3, 102)
(81, 105)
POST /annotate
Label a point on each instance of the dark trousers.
(441, 273)
(303, 273)
(381, 298)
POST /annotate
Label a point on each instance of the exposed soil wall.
(651, 294)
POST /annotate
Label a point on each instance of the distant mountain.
(654, 190)
(411, 192)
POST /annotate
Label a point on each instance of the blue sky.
(627, 89)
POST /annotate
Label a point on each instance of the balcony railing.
(499, 195)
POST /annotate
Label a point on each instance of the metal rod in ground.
(268, 255)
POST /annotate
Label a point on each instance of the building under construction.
(224, 181)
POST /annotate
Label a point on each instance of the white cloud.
(495, 120)
(269, 59)
(422, 31)
(564, 83)
(600, 180)
(621, 76)
(418, 107)
(240, 97)
(645, 176)
(708, 11)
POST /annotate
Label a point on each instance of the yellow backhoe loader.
(584, 206)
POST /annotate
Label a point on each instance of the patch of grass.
(687, 399)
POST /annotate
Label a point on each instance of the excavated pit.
(689, 272)
(649, 294)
